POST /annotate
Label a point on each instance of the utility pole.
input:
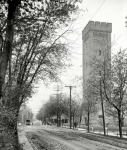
(126, 13)
(58, 89)
(70, 102)
(126, 22)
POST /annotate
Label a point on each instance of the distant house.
(63, 120)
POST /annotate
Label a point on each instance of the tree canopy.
(30, 49)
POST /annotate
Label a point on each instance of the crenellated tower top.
(97, 26)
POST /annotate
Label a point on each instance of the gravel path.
(51, 138)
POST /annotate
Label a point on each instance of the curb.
(106, 139)
(122, 143)
(31, 142)
(24, 141)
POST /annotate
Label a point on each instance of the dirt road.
(52, 138)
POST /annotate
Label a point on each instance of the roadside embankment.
(116, 141)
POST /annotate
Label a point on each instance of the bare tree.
(117, 85)
(113, 82)
(76, 106)
(77, 92)
(56, 106)
(89, 104)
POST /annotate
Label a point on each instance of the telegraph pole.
(126, 26)
(126, 13)
(58, 89)
(126, 19)
(70, 102)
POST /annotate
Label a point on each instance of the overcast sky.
(112, 11)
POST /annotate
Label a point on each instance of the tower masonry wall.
(96, 39)
(97, 26)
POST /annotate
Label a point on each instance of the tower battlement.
(97, 26)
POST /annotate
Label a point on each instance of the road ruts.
(51, 138)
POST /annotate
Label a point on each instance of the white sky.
(112, 11)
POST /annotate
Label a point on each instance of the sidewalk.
(98, 132)
(23, 140)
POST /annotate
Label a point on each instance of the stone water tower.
(96, 38)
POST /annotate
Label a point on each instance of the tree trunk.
(44, 120)
(16, 140)
(73, 120)
(57, 117)
(10, 132)
(102, 106)
(15, 133)
(7, 49)
(120, 123)
(60, 118)
(88, 123)
(81, 115)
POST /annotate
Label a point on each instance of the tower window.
(99, 52)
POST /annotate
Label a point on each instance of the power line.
(91, 19)
(97, 10)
